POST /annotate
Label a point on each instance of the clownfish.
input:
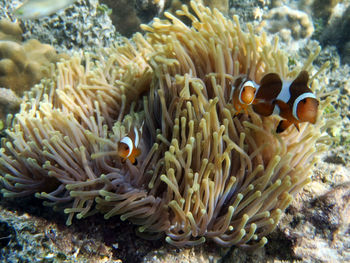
(127, 146)
(292, 100)
(243, 93)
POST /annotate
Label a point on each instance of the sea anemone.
(205, 171)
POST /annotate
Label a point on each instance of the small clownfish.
(244, 91)
(292, 100)
(127, 146)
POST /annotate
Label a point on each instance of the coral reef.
(9, 104)
(23, 64)
(221, 5)
(291, 23)
(336, 33)
(34, 235)
(323, 9)
(124, 16)
(86, 24)
(10, 31)
(22, 235)
(127, 16)
(205, 172)
(325, 216)
(316, 222)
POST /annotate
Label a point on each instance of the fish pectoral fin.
(264, 109)
(283, 125)
(245, 109)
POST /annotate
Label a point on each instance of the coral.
(10, 31)
(128, 15)
(9, 104)
(22, 234)
(324, 8)
(320, 215)
(85, 24)
(221, 5)
(23, 64)
(289, 22)
(336, 33)
(249, 10)
(205, 173)
(124, 16)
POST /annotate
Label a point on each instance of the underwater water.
(148, 131)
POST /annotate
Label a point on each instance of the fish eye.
(303, 100)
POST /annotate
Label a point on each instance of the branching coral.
(205, 172)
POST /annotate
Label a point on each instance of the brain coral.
(205, 172)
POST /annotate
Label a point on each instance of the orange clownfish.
(127, 146)
(244, 91)
(292, 100)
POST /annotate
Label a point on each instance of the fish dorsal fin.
(135, 133)
(270, 78)
(302, 78)
(270, 87)
(137, 137)
(299, 87)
